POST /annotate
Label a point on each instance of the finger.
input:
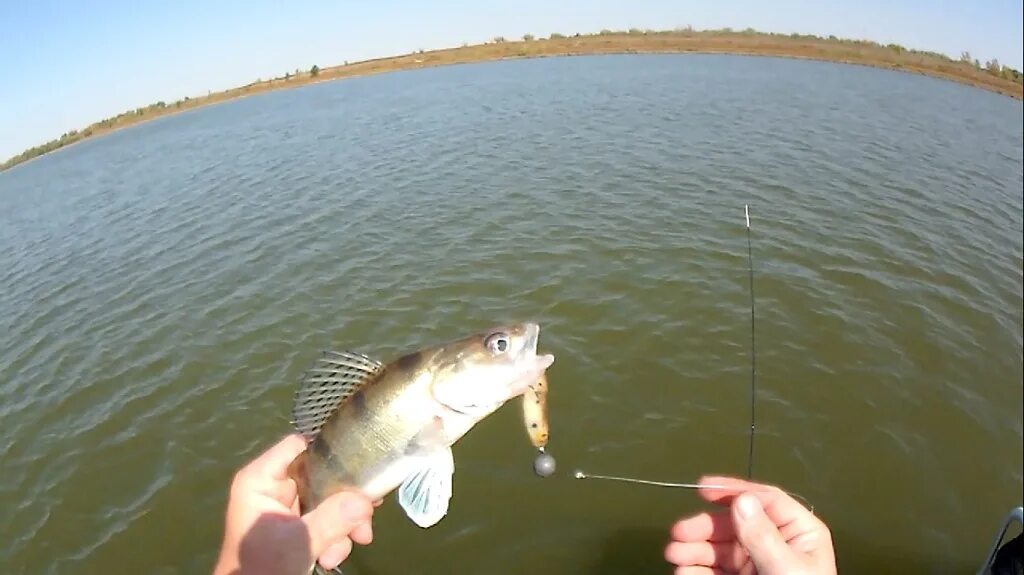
(273, 463)
(334, 519)
(795, 531)
(811, 537)
(362, 534)
(730, 556)
(778, 505)
(823, 555)
(700, 570)
(284, 492)
(760, 536)
(335, 554)
(716, 488)
(705, 526)
(378, 503)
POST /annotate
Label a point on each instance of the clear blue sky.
(64, 65)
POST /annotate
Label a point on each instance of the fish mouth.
(532, 334)
(536, 364)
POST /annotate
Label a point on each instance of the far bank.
(992, 77)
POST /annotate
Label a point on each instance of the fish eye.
(497, 343)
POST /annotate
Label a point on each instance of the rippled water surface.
(163, 288)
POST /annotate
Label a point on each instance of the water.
(163, 288)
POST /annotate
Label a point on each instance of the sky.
(64, 65)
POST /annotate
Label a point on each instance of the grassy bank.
(990, 76)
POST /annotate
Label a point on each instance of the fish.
(376, 427)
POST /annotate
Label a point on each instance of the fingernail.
(748, 506)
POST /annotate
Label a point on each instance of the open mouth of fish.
(529, 350)
(534, 364)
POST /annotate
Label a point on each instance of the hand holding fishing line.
(762, 530)
(264, 532)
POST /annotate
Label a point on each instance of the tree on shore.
(314, 71)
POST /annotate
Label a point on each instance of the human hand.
(763, 531)
(264, 533)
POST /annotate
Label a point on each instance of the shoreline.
(1007, 82)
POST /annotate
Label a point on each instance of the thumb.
(760, 537)
(335, 517)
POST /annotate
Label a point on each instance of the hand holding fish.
(264, 531)
(763, 531)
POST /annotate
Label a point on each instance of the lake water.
(163, 288)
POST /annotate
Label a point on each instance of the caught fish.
(379, 427)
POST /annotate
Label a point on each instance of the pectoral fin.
(424, 495)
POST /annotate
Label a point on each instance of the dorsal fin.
(333, 378)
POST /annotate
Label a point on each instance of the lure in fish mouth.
(377, 427)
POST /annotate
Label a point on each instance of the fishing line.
(579, 474)
(753, 354)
